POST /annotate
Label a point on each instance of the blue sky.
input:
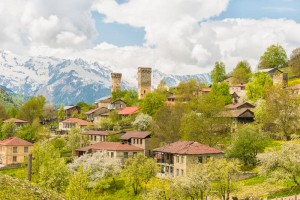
(124, 34)
(174, 36)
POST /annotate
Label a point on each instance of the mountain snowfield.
(68, 81)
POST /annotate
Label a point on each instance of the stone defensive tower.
(144, 81)
(116, 82)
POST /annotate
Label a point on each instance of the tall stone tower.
(116, 82)
(144, 81)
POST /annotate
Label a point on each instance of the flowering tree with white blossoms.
(142, 122)
(99, 165)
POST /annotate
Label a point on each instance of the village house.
(14, 150)
(114, 150)
(94, 115)
(103, 102)
(67, 124)
(18, 122)
(96, 136)
(70, 110)
(240, 112)
(139, 139)
(278, 76)
(204, 91)
(177, 158)
(129, 111)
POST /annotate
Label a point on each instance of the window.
(207, 157)
(111, 154)
(171, 170)
(167, 168)
(25, 149)
(15, 149)
(14, 158)
(168, 156)
(177, 159)
(125, 154)
(182, 159)
(134, 154)
(182, 172)
(177, 172)
(200, 159)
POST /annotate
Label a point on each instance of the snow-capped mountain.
(66, 81)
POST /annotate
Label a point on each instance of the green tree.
(204, 124)
(33, 108)
(152, 102)
(76, 139)
(274, 56)
(222, 172)
(166, 124)
(281, 110)
(241, 73)
(222, 90)
(142, 122)
(8, 129)
(28, 132)
(257, 86)
(78, 185)
(247, 142)
(130, 97)
(3, 113)
(61, 114)
(283, 164)
(48, 167)
(187, 90)
(294, 62)
(218, 73)
(138, 171)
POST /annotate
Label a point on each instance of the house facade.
(18, 122)
(177, 158)
(96, 136)
(70, 110)
(67, 124)
(94, 115)
(139, 139)
(114, 150)
(14, 150)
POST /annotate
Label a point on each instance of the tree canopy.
(218, 73)
(241, 73)
(257, 86)
(294, 62)
(152, 102)
(274, 56)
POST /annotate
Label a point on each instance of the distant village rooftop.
(15, 141)
(110, 146)
(135, 134)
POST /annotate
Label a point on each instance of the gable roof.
(69, 107)
(15, 120)
(188, 147)
(80, 122)
(95, 110)
(92, 132)
(237, 105)
(129, 110)
(15, 141)
(135, 134)
(242, 113)
(110, 146)
(269, 70)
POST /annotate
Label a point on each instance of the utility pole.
(29, 167)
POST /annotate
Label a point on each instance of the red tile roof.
(110, 146)
(237, 105)
(188, 147)
(129, 111)
(15, 141)
(92, 132)
(80, 122)
(15, 120)
(135, 134)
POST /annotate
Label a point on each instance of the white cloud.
(181, 35)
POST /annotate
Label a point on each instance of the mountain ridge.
(68, 81)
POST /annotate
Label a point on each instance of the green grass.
(285, 192)
(20, 173)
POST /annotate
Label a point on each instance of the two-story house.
(14, 150)
(69, 123)
(114, 150)
(177, 158)
(96, 136)
(18, 122)
(137, 138)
